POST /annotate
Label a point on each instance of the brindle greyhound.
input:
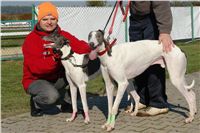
(128, 60)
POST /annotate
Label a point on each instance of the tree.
(96, 3)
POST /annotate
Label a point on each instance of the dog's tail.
(188, 87)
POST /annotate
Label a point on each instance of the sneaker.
(141, 106)
(152, 111)
(34, 111)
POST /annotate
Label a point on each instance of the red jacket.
(37, 65)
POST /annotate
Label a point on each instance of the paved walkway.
(172, 122)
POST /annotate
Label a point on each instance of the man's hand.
(166, 42)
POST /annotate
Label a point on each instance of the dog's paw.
(110, 128)
(69, 120)
(134, 113)
(128, 111)
(87, 121)
(189, 119)
(73, 117)
(104, 126)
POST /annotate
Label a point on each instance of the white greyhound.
(75, 71)
(128, 60)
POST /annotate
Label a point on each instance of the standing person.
(43, 74)
(151, 20)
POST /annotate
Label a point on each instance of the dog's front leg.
(109, 90)
(82, 90)
(73, 91)
(120, 92)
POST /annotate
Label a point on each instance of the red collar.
(109, 46)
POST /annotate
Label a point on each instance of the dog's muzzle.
(92, 45)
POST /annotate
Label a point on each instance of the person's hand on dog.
(167, 42)
(50, 50)
(93, 55)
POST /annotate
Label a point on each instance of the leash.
(110, 16)
(124, 13)
(119, 3)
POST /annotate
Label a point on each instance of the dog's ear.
(109, 50)
(52, 37)
(65, 41)
(101, 31)
(48, 38)
(89, 35)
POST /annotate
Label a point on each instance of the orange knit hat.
(45, 9)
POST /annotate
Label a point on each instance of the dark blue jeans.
(151, 83)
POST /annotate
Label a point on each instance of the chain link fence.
(79, 21)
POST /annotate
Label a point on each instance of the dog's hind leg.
(135, 96)
(129, 109)
(190, 98)
(73, 90)
(109, 91)
(176, 65)
(131, 91)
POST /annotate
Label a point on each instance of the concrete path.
(172, 122)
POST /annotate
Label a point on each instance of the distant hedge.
(184, 3)
(27, 16)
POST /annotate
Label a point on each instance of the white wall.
(182, 22)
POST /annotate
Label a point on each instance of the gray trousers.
(47, 94)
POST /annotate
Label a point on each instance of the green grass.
(192, 51)
(15, 101)
(13, 98)
(12, 41)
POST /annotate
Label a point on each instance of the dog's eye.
(98, 36)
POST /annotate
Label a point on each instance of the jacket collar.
(40, 32)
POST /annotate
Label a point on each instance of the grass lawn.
(8, 42)
(15, 101)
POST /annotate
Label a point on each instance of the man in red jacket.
(43, 74)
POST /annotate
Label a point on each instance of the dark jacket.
(161, 10)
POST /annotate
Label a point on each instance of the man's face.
(48, 23)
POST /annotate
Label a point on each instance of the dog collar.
(68, 56)
(107, 48)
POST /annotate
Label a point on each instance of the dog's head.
(95, 38)
(58, 40)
